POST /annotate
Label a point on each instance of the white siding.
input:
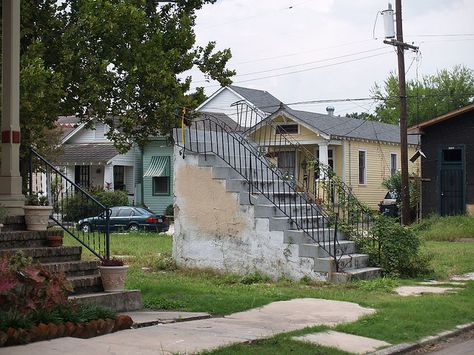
(90, 135)
(222, 103)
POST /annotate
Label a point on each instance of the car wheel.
(133, 227)
(86, 228)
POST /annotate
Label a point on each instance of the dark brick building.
(448, 169)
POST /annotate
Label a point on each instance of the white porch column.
(109, 176)
(323, 158)
(10, 180)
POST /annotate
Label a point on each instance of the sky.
(304, 50)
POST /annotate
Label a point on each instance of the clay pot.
(113, 277)
(61, 330)
(3, 338)
(53, 330)
(37, 217)
(110, 324)
(123, 322)
(101, 325)
(34, 333)
(43, 331)
(77, 333)
(54, 240)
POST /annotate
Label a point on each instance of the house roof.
(346, 127)
(442, 118)
(67, 124)
(93, 153)
(260, 98)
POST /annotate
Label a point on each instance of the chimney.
(330, 110)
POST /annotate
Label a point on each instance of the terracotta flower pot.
(113, 277)
(43, 331)
(3, 338)
(54, 240)
(70, 327)
(110, 324)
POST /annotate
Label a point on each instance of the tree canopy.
(120, 62)
(432, 96)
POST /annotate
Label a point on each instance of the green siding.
(158, 147)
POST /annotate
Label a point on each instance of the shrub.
(169, 211)
(25, 286)
(79, 206)
(394, 248)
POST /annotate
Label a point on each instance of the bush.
(169, 211)
(79, 206)
(394, 248)
(25, 286)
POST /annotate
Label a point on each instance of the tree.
(121, 62)
(434, 95)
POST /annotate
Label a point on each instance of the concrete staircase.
(83, 274)
(355, 265)
(249, 176)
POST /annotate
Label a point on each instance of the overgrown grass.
(398, 319)
(450, 228)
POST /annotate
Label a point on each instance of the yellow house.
(362, 153)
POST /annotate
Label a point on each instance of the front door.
(451, 179)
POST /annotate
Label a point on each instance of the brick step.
(128, 300)
(86, 284)
(14, 223)
(74, 268)
(47, 254)
(22, 239)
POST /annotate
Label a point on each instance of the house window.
(287, 129)
(119, 177)
(393, 164)
(161, 185)
(362, 167)
(287, 163)
(82, 175)
(160, 171)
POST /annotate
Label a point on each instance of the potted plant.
(113, 273)
(54, 238)
(37, 211)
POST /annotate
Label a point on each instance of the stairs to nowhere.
(84, 275)
(303, 223)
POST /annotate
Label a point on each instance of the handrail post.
(30, 167)
(107, 233)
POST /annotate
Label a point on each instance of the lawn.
(452, 228)
(397, 319)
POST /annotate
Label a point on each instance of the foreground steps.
(83, 275)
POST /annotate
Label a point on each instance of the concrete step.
(22, 239)
(74, 268)
(294, 236)
(365, 273)
(47, 254)
(86, 284)
(322, 250)
(238, 185)
(307, 222)
(128, 300)
(270, 210)
(346, 262)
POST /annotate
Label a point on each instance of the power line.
(308, 69)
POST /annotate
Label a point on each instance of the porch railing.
(318, 180)
(207, 136)
(75, 210)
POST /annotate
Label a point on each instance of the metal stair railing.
(208, 135)
(71, 204)
(319, 180)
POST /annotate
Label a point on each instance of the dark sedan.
(126, 218)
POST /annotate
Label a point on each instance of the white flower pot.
(113, 277)
(37, 217)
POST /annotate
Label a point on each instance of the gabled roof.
(67, 125)
(260, 98)
(345, 127)
(442, 118)
(91, 153)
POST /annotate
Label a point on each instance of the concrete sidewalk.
(206, 334)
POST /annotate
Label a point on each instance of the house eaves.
(417, 129)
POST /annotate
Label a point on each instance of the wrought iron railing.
(207, 136)
(318, 179)
(75, 210)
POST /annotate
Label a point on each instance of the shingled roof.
(93, 153)
(260, 98)
(346, 127)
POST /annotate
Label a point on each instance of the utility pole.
(403, 109)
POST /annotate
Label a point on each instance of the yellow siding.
(378, 168)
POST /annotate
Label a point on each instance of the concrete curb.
(406, 347)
